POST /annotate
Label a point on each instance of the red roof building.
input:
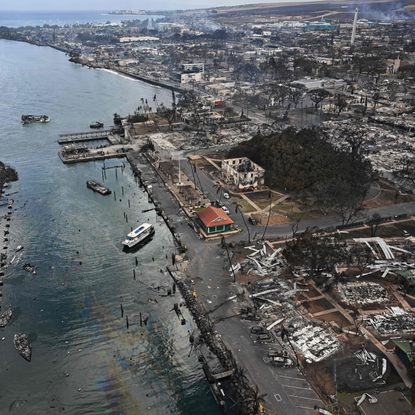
(214, 220)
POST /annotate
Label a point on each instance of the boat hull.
(23, 346)
(133, 242)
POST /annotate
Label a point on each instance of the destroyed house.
(242, 173)
(405, 350)
(214, 220)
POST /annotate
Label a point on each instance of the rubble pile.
(385, 143)
(396, 321)
(363, 293)
(261, 262)
(379, 365)
(315, 341)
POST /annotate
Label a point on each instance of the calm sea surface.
(61, 18)
(84, 358)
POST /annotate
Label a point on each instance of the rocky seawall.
(7, 174)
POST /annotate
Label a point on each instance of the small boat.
(29, 268)
(98, 187)
(19, 248)
(97, 124)
(23, 346)
(29, 119)
(137, 235)
(6, 317)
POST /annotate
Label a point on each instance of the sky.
(33, 5)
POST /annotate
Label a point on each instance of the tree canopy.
(307, 161)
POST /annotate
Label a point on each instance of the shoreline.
(113, 70)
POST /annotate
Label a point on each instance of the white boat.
(137, 235)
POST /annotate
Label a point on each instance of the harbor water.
(85, 360)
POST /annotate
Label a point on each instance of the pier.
(89, 156)
(87, 136)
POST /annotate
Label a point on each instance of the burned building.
(242, 173)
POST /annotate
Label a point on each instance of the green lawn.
(261, 198)
(247, 207)
(293, 210)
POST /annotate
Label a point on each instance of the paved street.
(288, 392)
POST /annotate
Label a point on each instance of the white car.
(226, 195)
(226, 210)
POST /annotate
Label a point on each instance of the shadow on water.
(137, 247)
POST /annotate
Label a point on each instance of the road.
(282, 230)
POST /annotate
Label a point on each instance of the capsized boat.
(29, 119)
(97, 124)
(98, 187)
(6, 317)
(23, 346)
(137, 235)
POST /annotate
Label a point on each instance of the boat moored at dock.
(98, 187)
(143, 232)
(29, 119)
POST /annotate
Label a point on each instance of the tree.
(296, 94)
(310, 250)
(294, 227)
(375, 99)
(374, 223)
(360, 256)
(117, 119)
(256, 399)
(168, 114)
(340, 103)
(269, 213)
(317, 95)
(219, 190)
(238, 208)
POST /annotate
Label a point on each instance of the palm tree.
(219, 189)
(269, 213)
(256, 399)
(239, 209)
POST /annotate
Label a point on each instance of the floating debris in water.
(22, 345)
(6, 317)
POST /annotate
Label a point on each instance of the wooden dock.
(87, 136)
(79, 158)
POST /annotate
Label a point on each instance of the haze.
(27, 5)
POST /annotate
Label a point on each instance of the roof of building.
(212, 216)
(406, 347)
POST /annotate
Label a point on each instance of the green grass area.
(261, 198)
(294, 210)
(247, 207)
(348, 398)
(197, 209)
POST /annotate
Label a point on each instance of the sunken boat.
(30, 119)
(97, 124)
(23, 346)
(98, 187)
(6, 317)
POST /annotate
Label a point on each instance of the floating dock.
(87, 136)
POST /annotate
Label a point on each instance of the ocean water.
(39, 18)
(85, 360)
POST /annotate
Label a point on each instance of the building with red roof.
(214, 220)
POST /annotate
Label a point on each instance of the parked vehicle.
(252, 220)
(226, 210)
(264, 338)
(258, 330)
(226, 195)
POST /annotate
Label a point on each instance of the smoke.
(384, 12)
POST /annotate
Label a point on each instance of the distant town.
(288, 148)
